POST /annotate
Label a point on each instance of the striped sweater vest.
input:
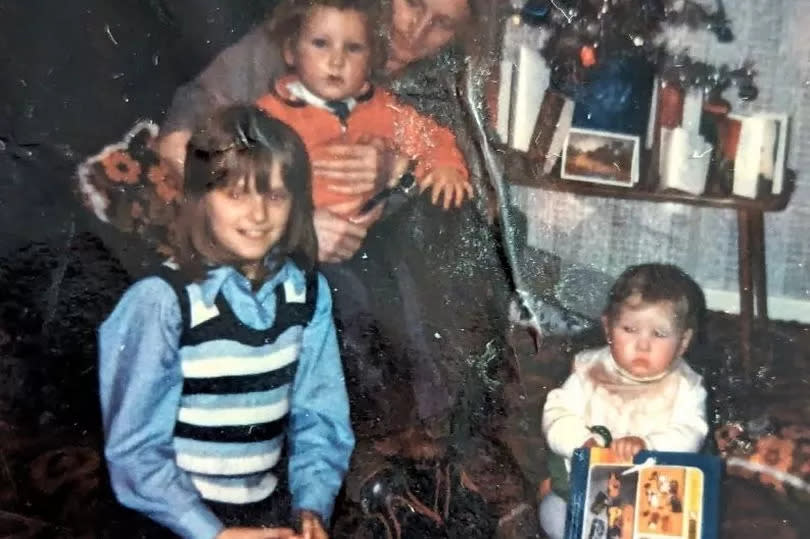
(237, 383)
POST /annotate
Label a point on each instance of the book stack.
(684, 155)
(693, 140)
(759, 153)
(531, 117)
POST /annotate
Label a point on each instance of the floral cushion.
(773, 450)
(129, 186)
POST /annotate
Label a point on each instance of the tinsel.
(601, 29)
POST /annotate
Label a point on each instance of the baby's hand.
(590, 442)
(626, 448)
(312, 527)
(450, 183)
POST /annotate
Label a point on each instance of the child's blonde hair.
(288, 18)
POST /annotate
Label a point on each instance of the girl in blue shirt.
(222, 370)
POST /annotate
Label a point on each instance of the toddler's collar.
(644, 379)
(294, 93)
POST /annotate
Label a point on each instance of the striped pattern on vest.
(235, 401)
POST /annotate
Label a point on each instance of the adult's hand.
(172, 148)
(257, 533)
(339, 237)
(312, 527)
(355, 169)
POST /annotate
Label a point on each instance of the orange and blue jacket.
(377, 113)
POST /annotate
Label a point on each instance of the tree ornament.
(619, 28)
(535, 12)
(747, 92)
(587, 56)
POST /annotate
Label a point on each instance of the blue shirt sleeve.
(140, 386)
(320, 433)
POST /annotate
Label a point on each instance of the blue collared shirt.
(141, 383)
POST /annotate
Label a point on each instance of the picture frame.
(601, 157)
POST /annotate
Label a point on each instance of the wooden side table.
(520, 170)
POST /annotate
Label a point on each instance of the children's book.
(657, 496)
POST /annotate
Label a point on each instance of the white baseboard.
(779, 308)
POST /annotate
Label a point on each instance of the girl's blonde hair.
(234, 142)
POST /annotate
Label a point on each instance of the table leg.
(758, 267)
(744, 227)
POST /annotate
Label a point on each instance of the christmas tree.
(585, 33)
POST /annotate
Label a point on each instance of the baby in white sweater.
(638, 387)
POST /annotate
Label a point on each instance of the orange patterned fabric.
(382, 115)
(128, 185)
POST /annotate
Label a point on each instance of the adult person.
(420, 295)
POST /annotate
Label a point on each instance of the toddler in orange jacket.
(328, 98)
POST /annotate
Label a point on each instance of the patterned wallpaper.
(608, 235)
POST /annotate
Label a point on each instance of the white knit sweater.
(667, 413)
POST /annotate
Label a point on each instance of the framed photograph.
(601, 157)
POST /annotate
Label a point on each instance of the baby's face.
(332, 54)
(645, 338)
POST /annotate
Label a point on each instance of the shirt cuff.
(571, 441)
(311, 501)
(599, 439)
(199, 524)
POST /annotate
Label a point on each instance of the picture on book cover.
(653, 502)
(659, 496)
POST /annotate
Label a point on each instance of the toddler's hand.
(311, 526)
(590, 442)
(627, 447)
(257, 533)
(449, 183)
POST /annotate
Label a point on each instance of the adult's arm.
(340, 238)
(240, 74)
